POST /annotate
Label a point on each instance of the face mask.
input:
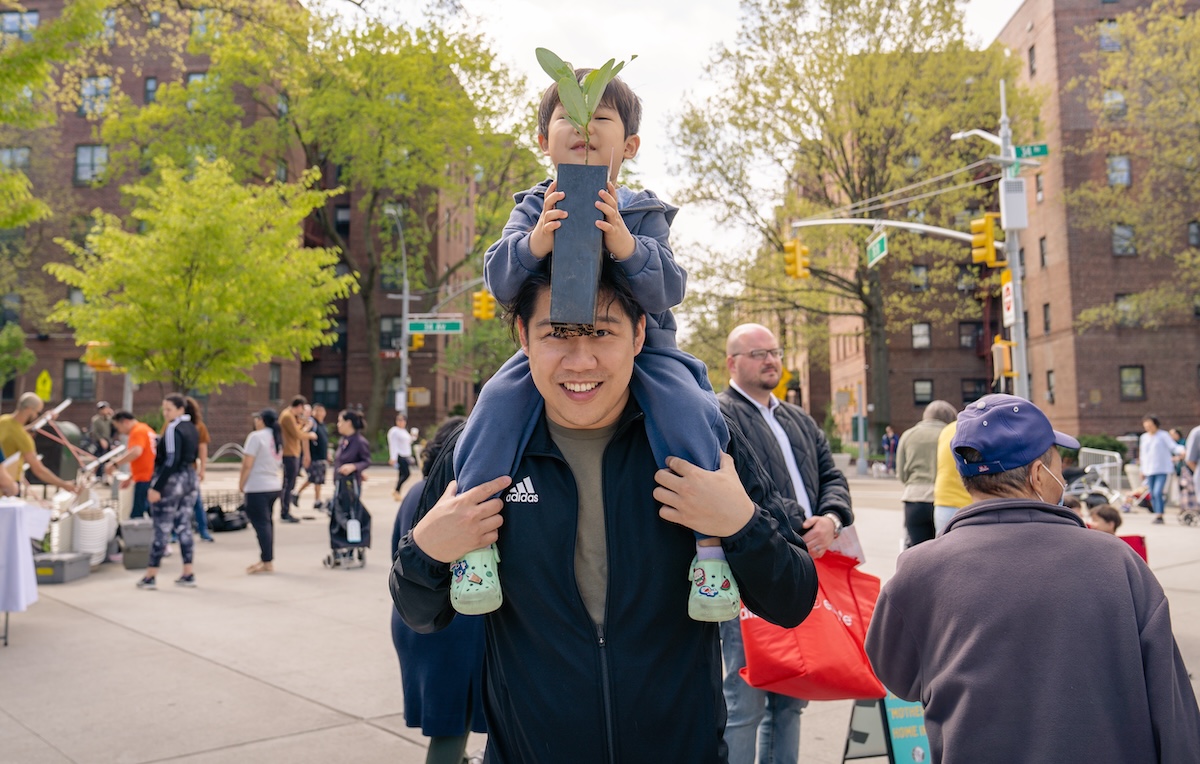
(1062, 497)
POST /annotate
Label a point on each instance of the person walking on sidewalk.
(1156, 452)
(260, 481)
(173, 490)
(193, 410)
(318, 453)
(400, 452)
(295, 453)
(916, 466)
(1018, 613)
(796, 455)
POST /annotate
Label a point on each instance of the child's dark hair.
(1108, 513)
(617, 95)
(1070, 502)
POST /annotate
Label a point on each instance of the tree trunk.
(377, 365)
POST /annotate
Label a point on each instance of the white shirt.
(1155, 452)
(785, 445)
(264, 474)
(399, 444)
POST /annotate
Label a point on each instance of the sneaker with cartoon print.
(714, 596)
(475, 582)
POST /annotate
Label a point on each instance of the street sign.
(1008, 304)
(1032, 150)
(876, 249)
(389, 355)
(44, 386)
(435, 326)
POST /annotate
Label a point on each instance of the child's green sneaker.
(475, 582)
(714, 597)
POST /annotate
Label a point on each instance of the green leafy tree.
(15, 358)
(836, 103)
(217, 282)
(1146, 99)
(412, 117)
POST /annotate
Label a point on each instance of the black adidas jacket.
(646, 687)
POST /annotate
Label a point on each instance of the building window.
(155, 20)
(970, 335)
(9, 392)
(15, 158)
(274, 380)
(281, 171)
(18, 25)
(1114, 104)
(1122, 240)
(1040, 186)
(204, 22)
(1021, 259)
(1025, 318)
(281, 105)
(921, 338)
(1194, 234)
(110, 25)
(920, 278)
(340, 343)
(93, 95)
(10, 309)
(151, 92)
(75, 296)
(1118, 171)
(79, 381)
(341, 221)
(327, 391)
(1124, 303)
(1133, 383)
(390, 334)
(922, 391)
(1108, 36)
(90, 162)
(1032, 60)
(974, 389)
(1045, 318)
(1050, 387)
(1042, 251)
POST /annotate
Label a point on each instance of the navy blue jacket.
(645, 687)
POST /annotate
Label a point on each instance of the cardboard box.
(61, 567)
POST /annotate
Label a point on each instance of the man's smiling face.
(583, 379)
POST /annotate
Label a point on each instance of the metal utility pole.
(1012, 238)
(393, 211)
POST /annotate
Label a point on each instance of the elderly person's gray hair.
(942, 411)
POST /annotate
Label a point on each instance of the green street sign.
(876, 249)
(1033, 150)
(433, 326)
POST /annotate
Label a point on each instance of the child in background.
(1105, 518)
(672, 388)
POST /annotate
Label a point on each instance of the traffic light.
(795, 259)
(484, 305)
(416, 341)
(983, 240)
(1002, 361)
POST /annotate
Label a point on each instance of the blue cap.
(1009, 431)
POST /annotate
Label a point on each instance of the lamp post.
(393, 211)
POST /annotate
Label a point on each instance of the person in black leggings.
(261, 482)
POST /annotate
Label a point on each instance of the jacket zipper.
(606, 692)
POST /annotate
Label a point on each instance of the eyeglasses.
(761, 354)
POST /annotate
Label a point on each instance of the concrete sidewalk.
(298, 666)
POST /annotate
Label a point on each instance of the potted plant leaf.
(578, 243)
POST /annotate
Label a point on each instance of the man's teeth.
(580, 387)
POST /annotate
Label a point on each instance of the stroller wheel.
(362, 555)
(1188, 518)
(329, 563)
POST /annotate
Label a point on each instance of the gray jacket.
(916, 459)
(1030, 638)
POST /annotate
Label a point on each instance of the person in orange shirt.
(140, 441)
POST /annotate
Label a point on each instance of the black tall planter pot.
(578, 245)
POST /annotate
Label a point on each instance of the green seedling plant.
(579, 98)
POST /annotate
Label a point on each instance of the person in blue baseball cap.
(1017, 613)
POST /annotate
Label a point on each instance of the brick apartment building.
(61, 162)
(1098, 382)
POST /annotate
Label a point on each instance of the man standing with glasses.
(796, 455)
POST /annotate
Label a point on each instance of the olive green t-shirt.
(584, 452)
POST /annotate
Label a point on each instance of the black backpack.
(220, 521)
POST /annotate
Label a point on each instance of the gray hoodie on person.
(1029, 638)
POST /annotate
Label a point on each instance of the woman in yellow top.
(949, 495)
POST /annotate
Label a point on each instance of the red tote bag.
(822, 658)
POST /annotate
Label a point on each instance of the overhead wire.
(856, 206)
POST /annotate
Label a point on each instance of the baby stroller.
(1091, 489)
(349, 526)
(1138, 497)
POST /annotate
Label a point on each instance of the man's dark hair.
(435, 445)
(998, 483)
(617, 96)
(1152, 418)
(122, 415)
(614, 288)
(299, 400)
(1108, 513)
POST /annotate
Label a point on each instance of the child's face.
(609, 146)
(1100, 524)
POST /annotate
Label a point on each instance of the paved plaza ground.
(298, 666)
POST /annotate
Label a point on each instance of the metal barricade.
(1107, 463)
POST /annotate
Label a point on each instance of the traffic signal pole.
(1012, 238)
(393, 211)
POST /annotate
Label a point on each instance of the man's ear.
(639, 334)
(632, 144)
(523, 335)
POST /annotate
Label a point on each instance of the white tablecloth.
(19, 522)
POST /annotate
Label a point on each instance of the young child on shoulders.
(671, 387)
